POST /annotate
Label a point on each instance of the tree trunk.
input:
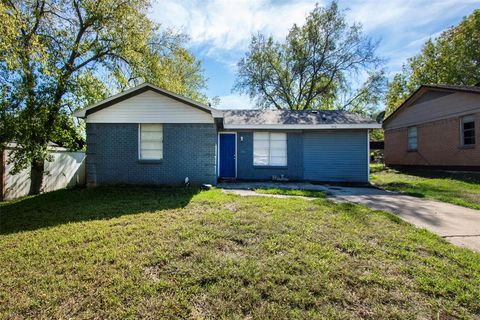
(3, 171)
(36, 176)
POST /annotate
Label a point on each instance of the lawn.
(461, 188)
(128, 253)
(292, 192)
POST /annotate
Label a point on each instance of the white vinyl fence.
(66, 170)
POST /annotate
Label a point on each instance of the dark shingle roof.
(292, 117)
(475, 89)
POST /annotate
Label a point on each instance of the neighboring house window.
(269, 149)
(412, 138)
(468, 130)
(151, 141)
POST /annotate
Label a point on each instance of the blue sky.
(220, 31)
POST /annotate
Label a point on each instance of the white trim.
(140, 143)
(368, 156)
(217, 113)
(303, 126)
(269, 149)
(218, 152)
(139, 140)
(82, 112)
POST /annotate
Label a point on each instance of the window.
(151, 141)
(468, 130)
(412, 139)
(269, 149)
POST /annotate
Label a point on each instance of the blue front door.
(227, 155)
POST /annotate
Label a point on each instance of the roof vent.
(314, 111)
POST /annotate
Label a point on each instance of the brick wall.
(438, 144)
(188, 151)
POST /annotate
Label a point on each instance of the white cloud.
(404, 26)
(228, 25)
(221, 29)
(404, 15)
(235, 101)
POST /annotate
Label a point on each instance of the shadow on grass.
(74, 205)
(467, 177)
(401, 186)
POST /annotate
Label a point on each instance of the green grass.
(454, 187)
(293, 192)
(129, 253)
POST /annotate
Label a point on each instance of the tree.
(452, 58)
(314, 66)
(59, 55)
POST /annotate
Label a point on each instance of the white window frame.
(140, 156)
(463, 120)
(269, 162)
(409, 146)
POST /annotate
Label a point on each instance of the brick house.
(148, 135)
(437, 126)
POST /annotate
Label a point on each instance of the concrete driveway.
(458, 225)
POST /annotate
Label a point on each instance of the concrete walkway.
(458, 225)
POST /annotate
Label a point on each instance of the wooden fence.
(66, 170)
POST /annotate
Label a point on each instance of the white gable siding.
(150, 107)
(456, 104)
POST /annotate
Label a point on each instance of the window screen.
(468, 130)
(412, 138)
(269, 149)
(151, 141)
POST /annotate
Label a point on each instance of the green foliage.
(452, 58)
(376, 134)
(59, 55)
(314, 66)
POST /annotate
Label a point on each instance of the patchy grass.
(129, 253)
(461, 188)
(293, 192)
(377, 167)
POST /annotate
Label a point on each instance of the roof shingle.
(293, 117)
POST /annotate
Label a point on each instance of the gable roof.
(250, 119)
(82, 113)
(431, 87)
(295, 119)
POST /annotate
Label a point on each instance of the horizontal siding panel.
(451, 105)
(336, 156)
(150, 107)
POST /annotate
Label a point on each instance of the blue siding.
(339, 155)
(189, 150)
(247, 171)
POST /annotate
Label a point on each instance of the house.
(436, 127)
(148, 135)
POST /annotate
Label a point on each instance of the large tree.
(60, 55)
(452, 58)
(317, 66)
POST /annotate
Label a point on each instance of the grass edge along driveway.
(184, 253)
(460, 188)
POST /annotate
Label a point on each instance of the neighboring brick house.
(438, 127)
(147, 135)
